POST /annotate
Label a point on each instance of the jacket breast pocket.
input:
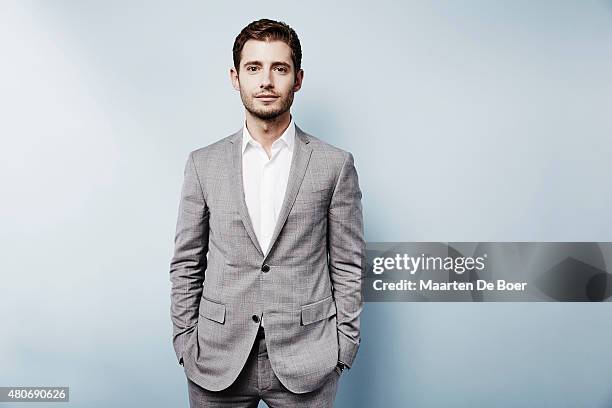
(319, 310)
(212, 310)
(319, 198)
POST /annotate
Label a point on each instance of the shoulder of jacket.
(213, 148)
(331, 152)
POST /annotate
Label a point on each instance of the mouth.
(267, 98)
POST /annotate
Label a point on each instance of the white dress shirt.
(265, 181)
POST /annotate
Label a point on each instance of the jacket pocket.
(319, 310)
(212, 310)
(314, 196)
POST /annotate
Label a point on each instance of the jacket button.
(265, 268)
(255, 318)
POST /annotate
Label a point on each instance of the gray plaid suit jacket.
(308, 285)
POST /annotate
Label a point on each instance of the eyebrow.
(259, 63)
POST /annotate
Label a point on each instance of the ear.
(298, 80)
(234, 78)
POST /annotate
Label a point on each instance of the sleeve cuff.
(347, 350)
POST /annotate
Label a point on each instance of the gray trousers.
(258, 382)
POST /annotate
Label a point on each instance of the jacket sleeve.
(189, 261)
(346, 249)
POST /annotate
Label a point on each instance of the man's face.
(266, 79)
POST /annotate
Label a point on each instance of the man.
(269, 247)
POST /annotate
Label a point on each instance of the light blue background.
(469, 121)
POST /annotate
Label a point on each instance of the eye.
(254, 68)
(282, 69)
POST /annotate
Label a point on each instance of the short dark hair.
(269, 30)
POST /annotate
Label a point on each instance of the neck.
(267, 131)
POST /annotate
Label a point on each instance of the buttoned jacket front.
(307, 285)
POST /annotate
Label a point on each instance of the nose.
(266, 80)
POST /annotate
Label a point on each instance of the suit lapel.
(299, 163)
(237, 186)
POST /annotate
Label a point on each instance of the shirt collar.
(288, 137)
